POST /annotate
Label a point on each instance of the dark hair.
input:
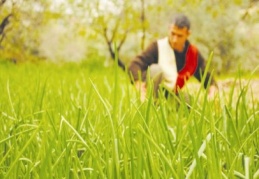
(181, 21)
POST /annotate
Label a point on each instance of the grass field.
(83, 121)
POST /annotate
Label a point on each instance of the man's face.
(177, 37)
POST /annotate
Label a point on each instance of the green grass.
(83, 121)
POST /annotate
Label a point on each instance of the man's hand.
(141, 87)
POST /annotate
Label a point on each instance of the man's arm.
(138, 68)
(141, 62)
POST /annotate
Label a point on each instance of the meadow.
(84, 121)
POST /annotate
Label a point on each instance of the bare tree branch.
(115, 30)
(2, 2)
(105, 34)
(2, 38)
(4, 23)
(123, 40)
(111, 50)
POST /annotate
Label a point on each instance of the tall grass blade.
(200, 153)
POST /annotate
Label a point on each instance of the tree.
(3, 26)
(22, 39)
(111, 22)
(124, 27)
(5, 21)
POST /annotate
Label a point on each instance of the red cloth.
(189, 68)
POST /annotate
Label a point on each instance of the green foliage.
(226, 34)
(228, 28)
(21, 39)
(86, 121)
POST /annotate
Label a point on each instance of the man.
(171, 61)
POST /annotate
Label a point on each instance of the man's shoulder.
(152, 45)
(153, 42)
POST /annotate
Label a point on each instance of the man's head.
(179, 32)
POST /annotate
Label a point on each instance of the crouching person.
(170, 62)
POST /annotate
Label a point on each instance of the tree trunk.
(116, 49)
(143, 19)
(112, 53)
(3, 25)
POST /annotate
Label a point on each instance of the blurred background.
(95, 30)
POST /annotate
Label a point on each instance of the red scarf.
(189, 68)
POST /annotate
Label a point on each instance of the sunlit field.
(84, 121)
